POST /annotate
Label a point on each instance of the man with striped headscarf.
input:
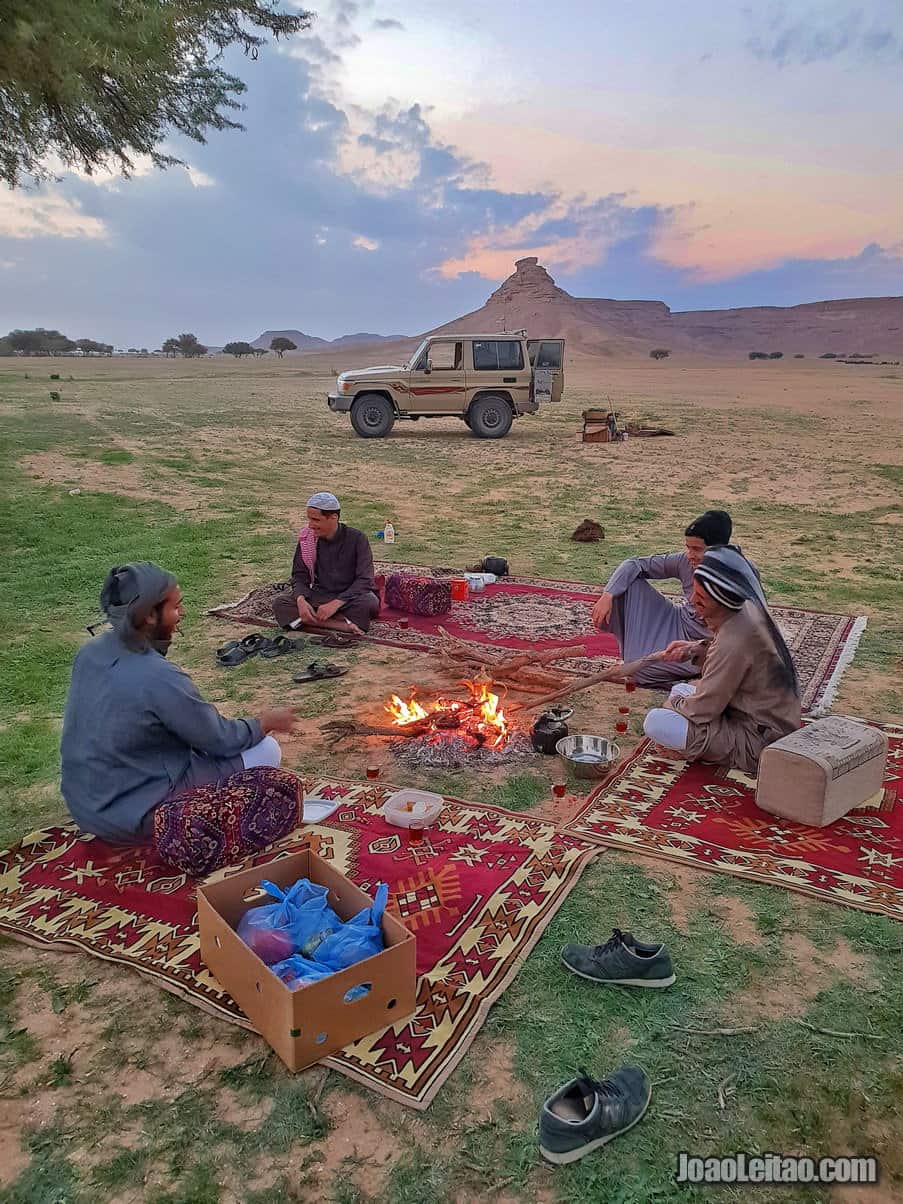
(748, 695)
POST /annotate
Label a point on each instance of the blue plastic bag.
(298, 923)
(297, 971)
(359, 937)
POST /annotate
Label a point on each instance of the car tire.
(490, 417)
(372, 416)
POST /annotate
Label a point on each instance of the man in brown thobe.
(748, 695)
(332, 574)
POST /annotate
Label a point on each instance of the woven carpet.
(707, 818)
(529, 612)
(477, 894)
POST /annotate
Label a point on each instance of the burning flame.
(405, 712)
(482, 718)
(490, 717)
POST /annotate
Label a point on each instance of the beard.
(161, 634)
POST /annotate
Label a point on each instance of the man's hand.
(679, 650)
(328, 609)
(602, 610)
(305, 611)
(277, 719)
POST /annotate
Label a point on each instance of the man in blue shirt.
(136, 731)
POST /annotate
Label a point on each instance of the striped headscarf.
(727, 576)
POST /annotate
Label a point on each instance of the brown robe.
(740, 704)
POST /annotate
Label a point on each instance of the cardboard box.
(314, 1021)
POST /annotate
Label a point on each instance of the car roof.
(492, 334)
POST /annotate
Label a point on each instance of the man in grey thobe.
(644, 621)
(136, 731)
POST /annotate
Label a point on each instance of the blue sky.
(399, 158)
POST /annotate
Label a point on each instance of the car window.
(497, 355)
(445, 355)
(549, 355)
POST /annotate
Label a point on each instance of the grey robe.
(643, 621)
(740, 705)
(136, 730)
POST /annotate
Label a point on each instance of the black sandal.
(281, 646)
(236, 652)
(320, 671)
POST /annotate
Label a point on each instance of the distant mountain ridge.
(531, 300)
(311, 342)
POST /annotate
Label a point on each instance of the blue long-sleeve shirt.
(133, 723)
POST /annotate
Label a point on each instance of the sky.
(399, 157)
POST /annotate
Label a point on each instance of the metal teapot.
(549, 728)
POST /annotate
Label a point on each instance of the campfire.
(449, 733)
(479, 719)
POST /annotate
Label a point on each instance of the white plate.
(318, 809)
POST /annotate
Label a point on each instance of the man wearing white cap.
(332, 573)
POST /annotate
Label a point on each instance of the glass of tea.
(372, 773)
(630, 686)
(559, 789)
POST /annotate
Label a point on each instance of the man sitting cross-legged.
(136, 732)
(748, 695)
(332, 574)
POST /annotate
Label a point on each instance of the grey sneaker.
(585, 1114)
(621, 960)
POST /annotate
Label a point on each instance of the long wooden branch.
(621, 672)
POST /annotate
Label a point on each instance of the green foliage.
(281, 344)
(90, 347)
(238, 349)
(97, 82)
(39, 342)
(185, 344)
(660, 353)
(758, 355)
(776, 355)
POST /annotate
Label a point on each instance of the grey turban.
(131, 592)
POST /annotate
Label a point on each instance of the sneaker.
(621, 960)
(585, 1114)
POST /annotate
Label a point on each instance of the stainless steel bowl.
(588, 756)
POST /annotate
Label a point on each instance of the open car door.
(547, 361)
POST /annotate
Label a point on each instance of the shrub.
(758, 355)
(660, 353)
(776, 355)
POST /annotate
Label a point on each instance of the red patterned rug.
(478, 894)
(707, 818)
(529, 612)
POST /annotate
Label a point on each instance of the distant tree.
(659, 354)
(799, 356)
(259, 351)
(188, 345)
(144, 351)
(40, 342)
(281, 344)
(776, 355)
(94, 83)
(829, 355)
(238, 349)
(6, 347)
(133, 350)
(758, 355)
(170, 348)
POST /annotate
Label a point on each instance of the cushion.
(820, 772)
(418, 595)
(204, 829)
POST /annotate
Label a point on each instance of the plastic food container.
(459, 589)
(413, 808)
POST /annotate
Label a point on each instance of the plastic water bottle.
(388, 533)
